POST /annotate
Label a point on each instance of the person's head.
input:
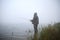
(35, 14)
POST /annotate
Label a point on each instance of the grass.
(50, 32)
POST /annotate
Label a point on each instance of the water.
(15, 31)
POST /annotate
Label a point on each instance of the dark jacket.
(35, 20)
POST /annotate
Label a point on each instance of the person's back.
(35, 19)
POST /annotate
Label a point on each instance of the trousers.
(35, 28)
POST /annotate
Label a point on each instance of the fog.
(16, 14)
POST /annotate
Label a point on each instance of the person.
(35, 21)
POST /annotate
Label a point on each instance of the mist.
(16, 14)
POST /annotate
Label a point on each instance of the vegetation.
(52, 32)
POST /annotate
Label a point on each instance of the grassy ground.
(52, 32)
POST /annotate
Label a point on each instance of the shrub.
(50, 32)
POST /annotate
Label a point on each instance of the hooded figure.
(35, 21)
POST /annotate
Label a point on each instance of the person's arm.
(31, 20)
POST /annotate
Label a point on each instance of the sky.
(22, 11)
(15, 15)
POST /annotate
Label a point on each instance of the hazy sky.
(22, 11)
(18, 13)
